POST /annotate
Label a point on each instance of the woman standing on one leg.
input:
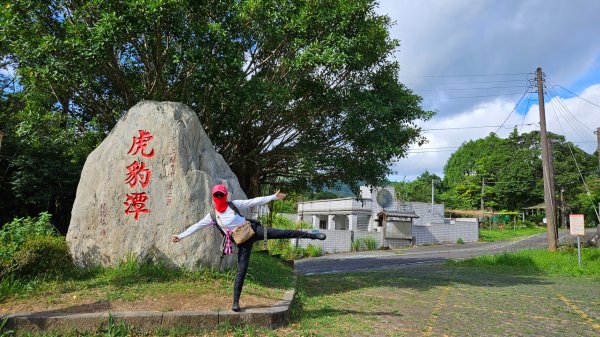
(229, 219)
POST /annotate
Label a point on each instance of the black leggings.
(245, 249)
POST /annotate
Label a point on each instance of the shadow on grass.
(264, 271)
(331, 312)
(421, 278)
(98, 306)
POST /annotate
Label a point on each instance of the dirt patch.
(70, 303)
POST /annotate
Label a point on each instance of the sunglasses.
(219, 195)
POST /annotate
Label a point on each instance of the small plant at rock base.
(371, 243)
(314, 251)
(114, 329)
(460, 241)
(5, 332)
(368, 243)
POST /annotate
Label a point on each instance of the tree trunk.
(248, 174)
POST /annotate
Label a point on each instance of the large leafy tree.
(298, 93)
(510, 171)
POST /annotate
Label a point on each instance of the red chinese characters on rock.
(137, 172)
(136, 203)
(140, 143)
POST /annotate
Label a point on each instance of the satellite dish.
(384, 198)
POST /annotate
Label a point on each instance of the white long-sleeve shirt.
(228, 218)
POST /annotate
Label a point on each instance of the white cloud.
(572, 117)
(494, 37)
(482, 37)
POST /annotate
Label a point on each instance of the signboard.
(577, 224)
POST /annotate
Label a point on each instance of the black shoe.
(235, 307)
(320, 236)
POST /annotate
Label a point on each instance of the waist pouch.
(243, 232)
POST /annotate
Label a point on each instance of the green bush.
(535, 218)
(314, 250)
(278, 246)
(297, 253)
(371, 243)
(368, 243)
(281, 222)
(293, 253)
(284, 247)
(357, 245)
(14, 234)
(32, 246)
(460, 241)
(43, 255)
(284, 206)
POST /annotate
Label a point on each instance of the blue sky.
(472, 60)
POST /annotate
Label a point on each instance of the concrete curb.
(271, 317)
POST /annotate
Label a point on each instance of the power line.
(513, 110)
(569, 91)
(558, 110)
(479, 96)
(560, 101)
(472, 127)
(579, 170)
(469, 82)
(578, 126)
(477, 88)
(449, 148)
(430, 151)
(468, 75)
(525, 114)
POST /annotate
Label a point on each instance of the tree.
(420, 188)
(475, 165)
(293, 93)
(510, 171)
(588, 203)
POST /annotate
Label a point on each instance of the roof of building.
(539, 206)
(396, 214)
(471, 212)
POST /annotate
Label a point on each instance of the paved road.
(376, 260)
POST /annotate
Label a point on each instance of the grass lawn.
(532, 293)
(540, 262)
(151, 287)
(507, 233)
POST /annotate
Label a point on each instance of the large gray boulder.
(164, 181)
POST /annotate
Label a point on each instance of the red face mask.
(219, 196)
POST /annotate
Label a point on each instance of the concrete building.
(380, 215)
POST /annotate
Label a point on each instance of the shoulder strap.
(213, 215)
(214, 219)
(234, 208)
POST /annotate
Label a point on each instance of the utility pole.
(563, 216)
(597, 150)
(432, 192)
(548, 170)
(481, 197)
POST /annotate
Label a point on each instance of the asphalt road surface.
(378, 260)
